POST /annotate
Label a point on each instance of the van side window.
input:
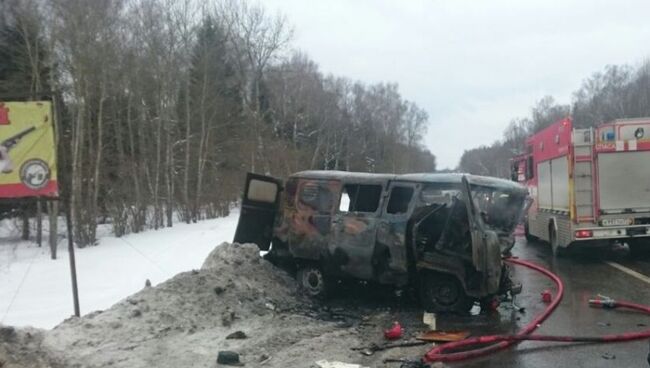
(262, 191)
(400, 198)
(290, 192)
(316, 195)
(360, 198)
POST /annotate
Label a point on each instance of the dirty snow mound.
(184, 321)
(23, 348)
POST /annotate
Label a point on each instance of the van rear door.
(260, 204)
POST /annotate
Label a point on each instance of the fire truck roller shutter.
(544, 199)
(560, 183)
(624, 181)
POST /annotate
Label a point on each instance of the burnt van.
(443, 234)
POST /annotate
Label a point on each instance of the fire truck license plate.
(616, 222)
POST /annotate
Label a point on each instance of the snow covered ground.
(36, 291)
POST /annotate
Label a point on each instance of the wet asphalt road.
(585, 273)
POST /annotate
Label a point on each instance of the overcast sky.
(472, 65)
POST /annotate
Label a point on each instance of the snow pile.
(251, 281)
(35, 290)
(185, 321)
(23, 348)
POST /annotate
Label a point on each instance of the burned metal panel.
(308, 216)
(354, 228)
(353, 244)
(390, 256)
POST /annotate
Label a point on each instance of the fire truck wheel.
(640, 247)
(529, 236)
(313, 281)
(441, 292)
(558, 250)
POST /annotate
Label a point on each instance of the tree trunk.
(186, 173)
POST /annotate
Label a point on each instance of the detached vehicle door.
(486, 250)
(259, 207)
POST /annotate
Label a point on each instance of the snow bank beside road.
(237, 301)
(35, 291)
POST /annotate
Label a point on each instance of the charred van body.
(442, 233)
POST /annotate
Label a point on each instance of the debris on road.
(429, 319)
(369, 350)
(443, 336)
(394, 332)
(547, 297)
(335, 364)
(608, 356)
(409, 363)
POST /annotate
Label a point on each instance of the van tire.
(313, 282)
(441, 292)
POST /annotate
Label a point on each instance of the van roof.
(417, 177)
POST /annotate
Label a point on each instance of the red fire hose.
(483, 345)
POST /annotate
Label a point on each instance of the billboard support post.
(39, 221)
(73, 266)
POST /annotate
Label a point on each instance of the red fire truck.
(589, 186)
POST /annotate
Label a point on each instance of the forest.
(162, 106)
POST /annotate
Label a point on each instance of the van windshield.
(500, 209)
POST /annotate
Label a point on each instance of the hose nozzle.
(602, 301)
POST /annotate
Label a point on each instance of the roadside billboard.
(27, 150)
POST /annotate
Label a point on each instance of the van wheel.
(313, 282)
(441, 292)
(558, 251)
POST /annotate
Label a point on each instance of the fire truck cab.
(589, 186)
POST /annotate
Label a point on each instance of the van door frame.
(257, 218)
(353, 236)
(391, 258)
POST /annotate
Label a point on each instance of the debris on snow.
(228, 358)
(236, 335)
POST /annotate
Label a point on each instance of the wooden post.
(39, 222)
